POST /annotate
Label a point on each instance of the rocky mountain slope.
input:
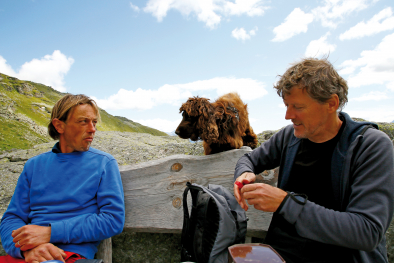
(25, 109)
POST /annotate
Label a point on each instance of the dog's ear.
(207, 122)
(204, 108)
(212, 130)
(208, 129)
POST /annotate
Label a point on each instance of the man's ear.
(59, 125)
(333, 103)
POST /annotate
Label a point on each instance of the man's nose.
(92, 127)
(289, 114)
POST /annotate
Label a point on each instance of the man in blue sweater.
(335, 199)
(66, 200)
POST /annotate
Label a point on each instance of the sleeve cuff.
(58, 232)
(291, 206)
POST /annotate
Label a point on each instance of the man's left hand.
(44, 252)
(31, 236)
(263, 196)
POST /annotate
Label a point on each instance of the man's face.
(78, 131)
(309, 117)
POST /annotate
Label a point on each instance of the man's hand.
(44, 252)
(31, 236)
(263, 196)
(245, 178)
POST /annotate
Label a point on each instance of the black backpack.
(216, 222)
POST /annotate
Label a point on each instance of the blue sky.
(143, 59)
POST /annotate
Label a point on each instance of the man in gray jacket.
(335, 194)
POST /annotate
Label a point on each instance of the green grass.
(17, 135)
(387, 128)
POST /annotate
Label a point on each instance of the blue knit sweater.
(79, 194)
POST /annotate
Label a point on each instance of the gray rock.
(265, 135)
(390, 242)
(146, 248)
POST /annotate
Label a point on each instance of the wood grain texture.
(153, 190)
(104, 250)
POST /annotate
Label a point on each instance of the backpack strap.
(366, 127)
(187, 252)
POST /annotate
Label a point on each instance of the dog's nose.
(177, 132)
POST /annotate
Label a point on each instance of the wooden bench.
(153, 192)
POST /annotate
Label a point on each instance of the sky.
(143, 59)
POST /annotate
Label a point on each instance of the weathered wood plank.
(153, 190)
(104, 250)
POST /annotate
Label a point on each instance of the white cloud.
(295, 23)
(49, 70)
(248, 89)
(160, 124)
(240, 7)
(5, 68)
(253, 31)
(141, 99)
(382, 21)
(333, 11)
(373, 95)
(134, 7)
(241, 34)
(373, 67)
(330, 13)
(209, 11)
(320, 47)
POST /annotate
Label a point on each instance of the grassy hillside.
(25, 109)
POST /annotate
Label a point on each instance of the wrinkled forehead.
(297, 94)
(83, 111)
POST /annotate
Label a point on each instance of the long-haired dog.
(222, 125)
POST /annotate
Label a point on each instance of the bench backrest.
(153, 190)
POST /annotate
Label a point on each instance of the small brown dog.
(222, 125)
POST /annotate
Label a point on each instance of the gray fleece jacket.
(362, 171)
